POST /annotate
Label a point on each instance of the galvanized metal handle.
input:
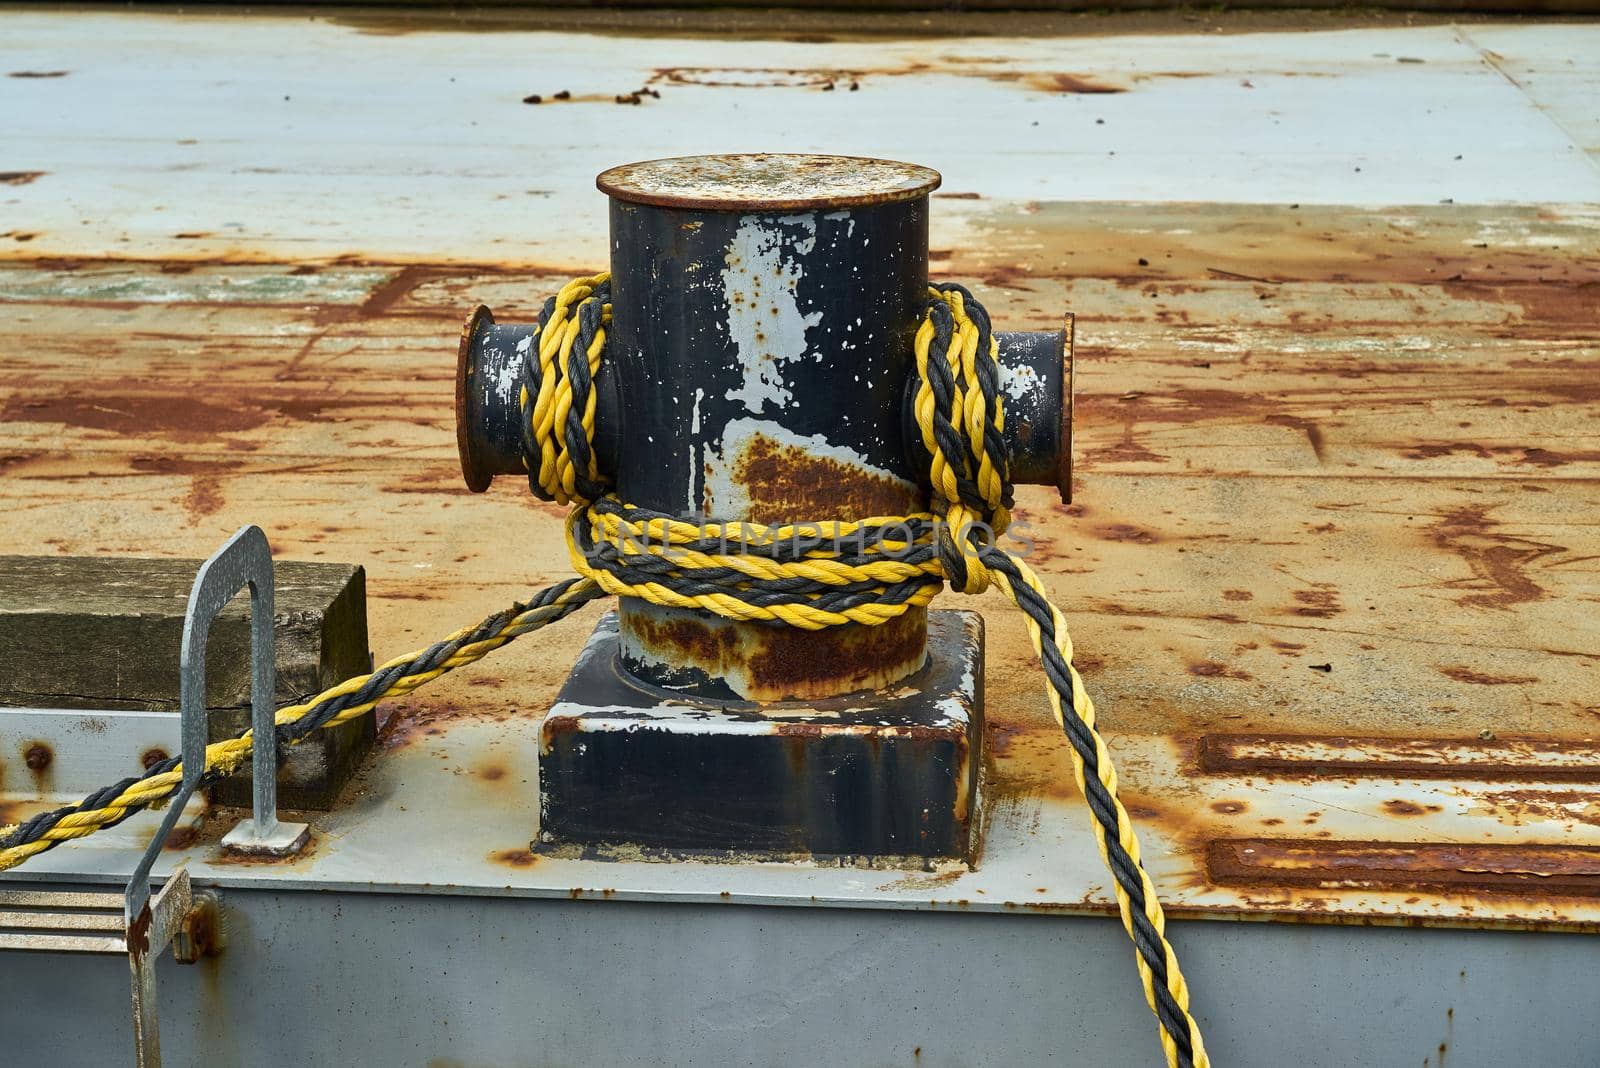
(245, 559)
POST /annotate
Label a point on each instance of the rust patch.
(176, 415)
(418, 720)
(1499, 562)
(684, 640)
(1535, 805)
(766, 181)
(139, 932)
(1210, 669)
(20, 177)
(751, 77)
(492, 772)
(1326, 864)
(1127, 450)
(1322, 602)
(818, 663)
(181, 838)
(1466, 674)
(1401, 807)
(1505, 759)
(1125, 532)
(782, 663)
(786, 483)
(515, 858)
(1239, 595)
(38, 756)
(1075, 84)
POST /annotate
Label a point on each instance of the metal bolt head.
(200, 932)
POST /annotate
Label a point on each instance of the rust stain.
(20, 177)
(178, 415)
(1499, 562)
(1535, 805)
(1400, 807)
(1466, 674)
(751, 77)
(1506, 758)
(1075, 84)
(1125, 532)
(1522, 870)
(1127, 450)
(839, 658)
(418, 720)
(515, 858)
(139, 932)
(1321, 602)
(787, 483)
(38, 757)
(781, 663)
(1210, 669)
(181, 838)
(205, 496)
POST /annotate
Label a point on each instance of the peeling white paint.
(1019, 381)
(506, 383)
(759, 286)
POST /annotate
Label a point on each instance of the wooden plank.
(102, 632)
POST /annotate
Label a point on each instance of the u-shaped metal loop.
(244, 560)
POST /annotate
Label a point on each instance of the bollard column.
(759, 368)
(763, 312)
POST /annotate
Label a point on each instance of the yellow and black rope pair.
(111, 805)
(805, 575)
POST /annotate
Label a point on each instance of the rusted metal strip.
(1547, 870)
(1532, 759)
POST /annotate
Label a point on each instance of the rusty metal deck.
(1337, 465)
(1332, 562)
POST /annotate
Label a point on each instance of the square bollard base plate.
(883, 773)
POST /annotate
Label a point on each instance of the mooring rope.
(808, 575)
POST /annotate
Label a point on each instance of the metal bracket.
(245, 560)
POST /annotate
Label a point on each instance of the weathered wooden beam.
(104, 632)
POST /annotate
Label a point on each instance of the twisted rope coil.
(808, 575)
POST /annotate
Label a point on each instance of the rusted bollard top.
(767, 181)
